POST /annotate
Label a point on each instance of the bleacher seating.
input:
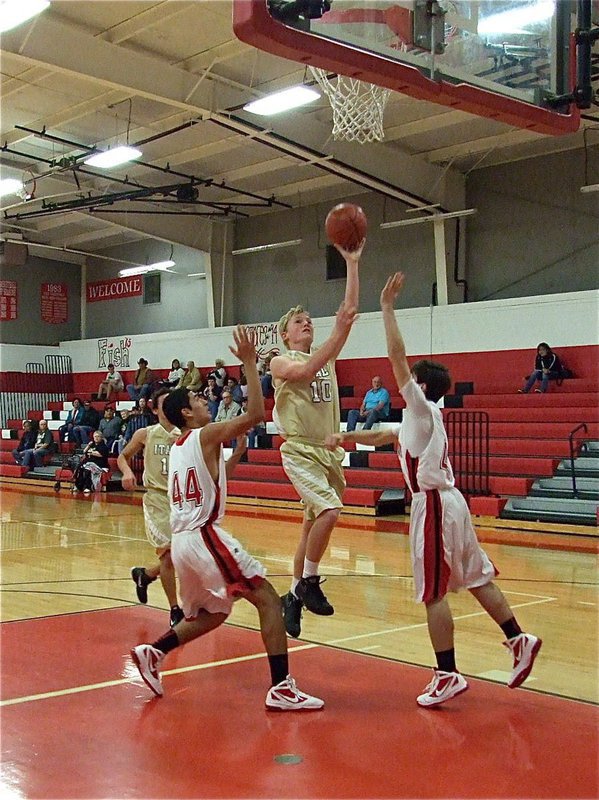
(528, 434)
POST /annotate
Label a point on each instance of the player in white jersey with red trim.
(446, 555)
(213, 567)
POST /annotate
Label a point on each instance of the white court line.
(424, 624)
(585, 603)
(90, 687)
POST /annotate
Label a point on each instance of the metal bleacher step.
(587, 488)
(47, 472)
(585, 466)
(551, 509)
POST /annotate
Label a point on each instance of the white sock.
(310, 568)
(294, 584)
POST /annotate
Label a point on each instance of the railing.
(39, 385)
(468, 437)
(583, 446)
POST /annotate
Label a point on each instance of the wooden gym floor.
(77, 723)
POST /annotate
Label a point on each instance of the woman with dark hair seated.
(547, 368)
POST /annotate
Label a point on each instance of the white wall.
(564, 319)
(13, 357)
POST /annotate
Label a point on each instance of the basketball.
(346, 225)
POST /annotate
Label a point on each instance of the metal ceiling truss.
(188, 189)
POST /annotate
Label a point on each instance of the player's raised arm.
(136, 445)
(373, 438)
(218, 432)
(352, 286)
(396, 348)
(283, 368)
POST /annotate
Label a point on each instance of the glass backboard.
(504, 59)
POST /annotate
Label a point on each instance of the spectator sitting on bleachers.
(119, 444)
(141, 417)
(253, 433)
(110, 426)
(266, 377)
(89, 423)
(219, 373)
(74, 417)
(44, 445)
(113, 382)
(235, 390)
(243, 382)
(192, 379)
(375, 407)
(27, 441)
(175, 375)
(142, 383)
(212, 394)
(88, 474)
(227, 408)
(547, 368)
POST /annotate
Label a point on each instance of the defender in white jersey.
(155, 441)
(306, 412)
(445, 552)
(213, 567)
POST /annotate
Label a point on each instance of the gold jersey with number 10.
(307, 411)
(156, 452)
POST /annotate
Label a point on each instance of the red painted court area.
(104, 735)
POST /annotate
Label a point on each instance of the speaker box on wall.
(336, 266)
(13, 254)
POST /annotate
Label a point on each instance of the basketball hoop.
(358, 107)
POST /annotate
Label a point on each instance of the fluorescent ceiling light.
(114, 157)
(282, 101)
(10, 186)
(159, 266)
(431, 218)
(197, 275)
(517, 19)
(259, 248)
(15, 12)
(592, 187)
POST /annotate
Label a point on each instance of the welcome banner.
(113, 289)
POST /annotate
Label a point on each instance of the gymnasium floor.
(78, 723)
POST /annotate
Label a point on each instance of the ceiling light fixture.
(197, 275)
(159, 266)
(431, 218)
(259, 248)
(10, 186)
(591, 187)
(114, 157)
(15, 12)
(282, 101)
(517, 19)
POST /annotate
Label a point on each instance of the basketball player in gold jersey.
(155, 441)
(306, 412)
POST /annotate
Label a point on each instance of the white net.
(358, 107)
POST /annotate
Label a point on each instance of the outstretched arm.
(374, 438)
(235, 457)
(396, 348)
(352, 287)
(215, 433)
(137, 443)
(283, 368)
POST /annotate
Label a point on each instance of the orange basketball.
(346, 225)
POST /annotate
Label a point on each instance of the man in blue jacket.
(375, 407)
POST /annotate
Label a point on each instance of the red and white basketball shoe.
(443, 686)
(148, 659)
(524, 649)
(285, 696)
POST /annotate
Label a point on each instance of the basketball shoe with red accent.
(285, 696)
(148, 659)
(443, 686)
(524, 648)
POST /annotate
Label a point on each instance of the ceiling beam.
(156, 15)
(426, 124)
(513, 137)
